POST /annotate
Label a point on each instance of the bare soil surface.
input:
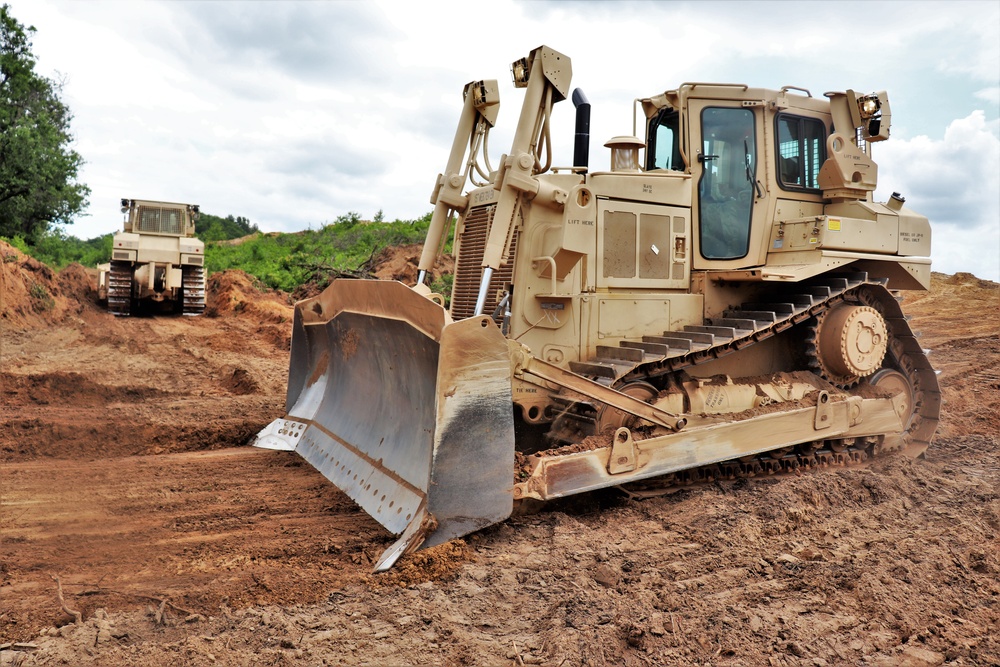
(126, 484)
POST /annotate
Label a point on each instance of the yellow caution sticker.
(833, 224)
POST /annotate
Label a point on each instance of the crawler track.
(193, 282)
(656, 358)
(120, 289)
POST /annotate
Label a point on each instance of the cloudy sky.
(294, 113)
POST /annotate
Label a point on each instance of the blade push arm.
(546, 75)
(482, 102)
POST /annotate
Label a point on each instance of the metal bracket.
(824, 411)
(623, 453)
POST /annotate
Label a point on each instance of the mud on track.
(124, 473)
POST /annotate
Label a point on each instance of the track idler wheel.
(850, 343)
(612, 418)
(895, 383)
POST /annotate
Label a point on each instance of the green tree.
(38, 169)
(213, 228)
(348, 220)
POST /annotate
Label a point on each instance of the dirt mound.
(79, 284)
(400, 263)
(965, 279)
(958, 320)
(235, 292)
(30, 292)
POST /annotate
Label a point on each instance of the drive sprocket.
(848, 343)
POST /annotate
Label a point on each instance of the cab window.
(801, 151)
(664, 142)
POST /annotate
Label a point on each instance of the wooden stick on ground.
(152, 598)
(159, 612)
(78, 617)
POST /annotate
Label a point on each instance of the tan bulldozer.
(720, 303)
(156, 261)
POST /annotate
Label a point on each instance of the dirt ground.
(126, 484)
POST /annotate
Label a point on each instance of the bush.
(41, 300)
(18, 242)
(58, 250)
(286, 261)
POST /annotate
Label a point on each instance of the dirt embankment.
(123, 473)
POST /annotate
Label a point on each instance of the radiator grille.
(469, 271)
(156, 220)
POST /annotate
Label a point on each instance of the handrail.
(552, 267)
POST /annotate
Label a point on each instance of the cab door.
(724, 166)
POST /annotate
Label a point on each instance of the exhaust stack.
(581, 145)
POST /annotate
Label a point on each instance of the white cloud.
(976, 49)
(954, 181)
(293, 113)
(991, 94)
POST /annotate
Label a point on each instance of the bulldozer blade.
(405, 411)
